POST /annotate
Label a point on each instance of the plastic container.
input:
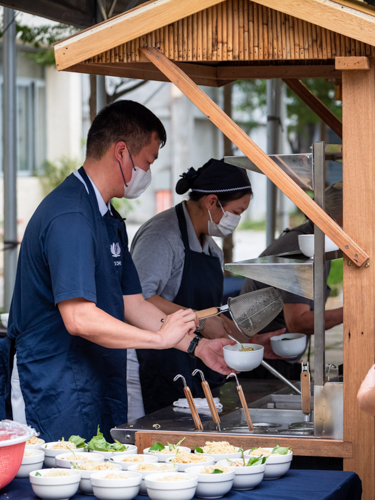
(13, 437)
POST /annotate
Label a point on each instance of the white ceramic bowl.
(277, 465)
(306, 244)
(36, 446)
(245, 478)
(131, 450)
(163, 457)
(85, 484)
(50, 454)
(212, 485)
(208, 460)
(55, 488)
(65, 460)
(157, 489)
(116, 489)
(289, 348)
(157, 465)
(244, 361)
(123, 460)
(34, 461)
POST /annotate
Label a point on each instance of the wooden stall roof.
(216, 41)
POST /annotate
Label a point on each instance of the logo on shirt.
(115, 250)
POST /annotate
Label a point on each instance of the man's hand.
(264, 340)
(215, 328)
(211, 353)
(176, 326)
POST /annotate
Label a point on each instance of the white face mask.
(138, 183)
(226, 225)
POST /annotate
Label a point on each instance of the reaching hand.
(211, 353)
(265, 340)
(176, 326)
(215, 328)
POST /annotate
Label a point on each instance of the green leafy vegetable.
(252, 449)
(98, 443)
(38, 474)
(157, 447)
(256, 461)
(78, 441)
(198, 450)
(280, 450)
(217, 471)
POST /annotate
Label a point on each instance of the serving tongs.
(243, 402)
(210, 400)
(190, 400)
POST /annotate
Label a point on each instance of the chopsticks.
(243, 402)
(210, 400)
(190, 400)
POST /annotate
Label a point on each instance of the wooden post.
(359, 283)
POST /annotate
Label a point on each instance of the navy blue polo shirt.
(59, 256)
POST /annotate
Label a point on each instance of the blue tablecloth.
(295, 485)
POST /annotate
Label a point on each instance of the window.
(31, 125)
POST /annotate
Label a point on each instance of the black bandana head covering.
(215, 176)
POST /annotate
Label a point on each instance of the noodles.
(115, 476)
(34, 440)
(132, 458)
(56, 473)
(63, 445)
(188, 458)
(219, 448)
(209, 469)
(260, 452)
(153, 467)
(97, 466)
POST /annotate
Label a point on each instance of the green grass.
(335, 277)
(254, 225)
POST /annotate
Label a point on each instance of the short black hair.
(126, 121)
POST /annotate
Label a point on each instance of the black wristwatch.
(192, 346)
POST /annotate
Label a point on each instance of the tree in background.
(42, 39)
(302, 121)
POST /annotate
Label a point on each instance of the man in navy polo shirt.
(76, 286)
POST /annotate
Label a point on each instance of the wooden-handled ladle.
(190, 400)
(210, 400)
(243, 402)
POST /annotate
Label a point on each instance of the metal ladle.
(273, 371)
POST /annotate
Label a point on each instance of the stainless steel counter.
(269, 402)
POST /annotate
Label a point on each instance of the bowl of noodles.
(214, 481)
(185, 460)
(151, 468)
(219, 450)
(278, 460)
(243, 357)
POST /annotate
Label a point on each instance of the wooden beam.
(359, 284)
(123, 28)
(330, 15)
(202, 75)
(302, 447)
(345, 63)
(315, 104)
(257, 156)
(278, 71)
